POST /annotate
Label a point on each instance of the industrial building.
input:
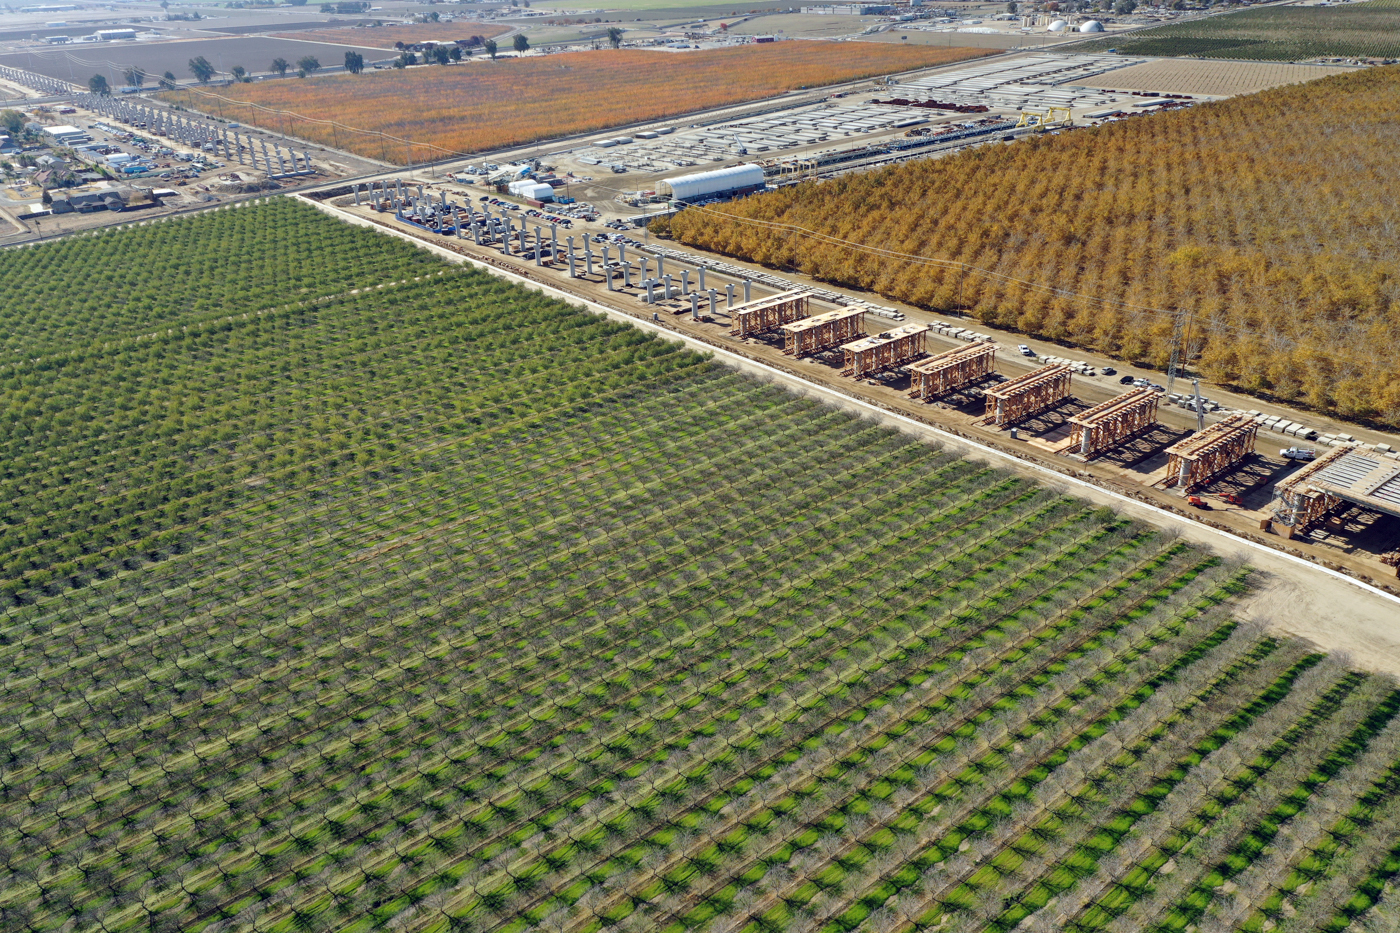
(531, 190)
(741, 179)
(67, 135)
(109, 35)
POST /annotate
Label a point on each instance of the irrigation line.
(956, 442)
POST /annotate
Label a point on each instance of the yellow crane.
(1054, 116)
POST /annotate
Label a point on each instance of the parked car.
(1297, 453)
(1109, 371)
(1025, 350)
(1126, 381)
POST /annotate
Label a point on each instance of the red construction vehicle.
(1198, 502)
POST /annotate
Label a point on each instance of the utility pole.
(1200, 412)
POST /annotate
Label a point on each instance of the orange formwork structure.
(765, 314)
(1106, 424)
(823, 331)
(1350, 474)
(952, 370)
(1029, 395)
(893, 348)
(1197, 460)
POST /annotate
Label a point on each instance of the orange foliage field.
(1273, 219)
(470, 107)
(384, 37)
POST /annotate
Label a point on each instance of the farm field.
(428, 603)
(478, 106)
(1274, 33)
(384, 37)
(254, 53)
(1210, 78)
(1286, 275)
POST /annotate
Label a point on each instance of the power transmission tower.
(1178, 329)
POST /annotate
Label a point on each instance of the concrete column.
(685, 281)
(538, 244)
(730, 289)
(476, 233)
(660, 264)
(702, 278)
(305, 155)
(712, 302)
(667, 277)
(627, 274)
(607, 272)
(420, 192)
(554, 239)
(695, 306)
(747, 299)
(651, 295)
(357, 195)
(572, 273)
(588, 256)
(522, 237)
(444, 199)
(622, 252)
(643, 261)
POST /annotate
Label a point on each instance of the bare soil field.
(254, 53)
(1210, 78)
(384, 37)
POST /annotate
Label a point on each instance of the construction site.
(1140, 439)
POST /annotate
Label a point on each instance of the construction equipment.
(1198, 502)
(1051, 117)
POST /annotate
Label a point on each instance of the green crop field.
(372, 593)
(1272, 33)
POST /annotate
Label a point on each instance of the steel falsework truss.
(1298, 503)
(1105, 425)
(823, 331)
(765, 314)
(1197, 460)
(1015, 401)
(876, 354)
(952, 370)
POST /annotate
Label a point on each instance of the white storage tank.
(1058, 25)
(718, 181)
(1092, 26)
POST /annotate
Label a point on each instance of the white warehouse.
(735, 179)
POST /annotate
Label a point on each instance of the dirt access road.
(1292, 595)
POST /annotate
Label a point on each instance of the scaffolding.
(1105, 425)
(1015, 401)
(951, 370)
(1197, 460)
(1348, 474)
(893, 348)
(823, 331)
(765, 314)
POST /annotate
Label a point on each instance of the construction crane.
(1054, 116)
(739, 146)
